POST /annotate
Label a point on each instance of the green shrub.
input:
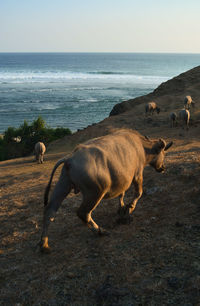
(10, 135)
(21, 141)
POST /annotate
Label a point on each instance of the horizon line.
(100, 52)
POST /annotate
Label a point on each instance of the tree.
(10, 134)
(21, 141)
(39, 124)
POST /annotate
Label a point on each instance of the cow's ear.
(168, 145)
(147, 137)
(159, 146)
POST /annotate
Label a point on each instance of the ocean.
(75, 90)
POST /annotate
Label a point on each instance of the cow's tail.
(46, 194)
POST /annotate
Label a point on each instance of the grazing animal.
(173, 119)
(184, 117)
(103, 168)
(188, 102)
(39, 152)
(151, 107)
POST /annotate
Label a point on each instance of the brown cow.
(103, 168)
(151, 107)
(184, 117)
(188, 102)
(173, 119)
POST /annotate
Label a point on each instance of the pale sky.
(100, 26)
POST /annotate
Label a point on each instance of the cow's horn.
(168, 145)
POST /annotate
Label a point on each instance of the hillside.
(169, 94)
(152, 261)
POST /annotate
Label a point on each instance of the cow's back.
(109, 162)
(150, 106)
(188, 99)
(184, 114)
(40, 148)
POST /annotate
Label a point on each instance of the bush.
(10, 134)
(20, 142)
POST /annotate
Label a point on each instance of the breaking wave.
(62, 77)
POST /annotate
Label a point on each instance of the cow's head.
(158, 110)
(158, 151)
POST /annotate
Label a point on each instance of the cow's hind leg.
(42, 158)
(90, 202)
(61, 190)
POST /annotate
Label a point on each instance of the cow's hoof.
(124, 220)
(123, 211)
(124, 216)
(45, 250)
(103, 232)
(44, 247)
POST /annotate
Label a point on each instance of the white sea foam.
(59, 77)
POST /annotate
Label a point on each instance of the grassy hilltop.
(152, 261)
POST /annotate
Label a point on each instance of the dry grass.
(152, 261)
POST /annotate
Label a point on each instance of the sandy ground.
(154, 260)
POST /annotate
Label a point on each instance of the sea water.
(77, 89)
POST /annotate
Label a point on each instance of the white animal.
(39, 152)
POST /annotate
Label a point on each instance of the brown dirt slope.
(152, 261)
(169, 94)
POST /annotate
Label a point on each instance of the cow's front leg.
(121, 203)
(122, 210)
(127, 210)
(138, 193)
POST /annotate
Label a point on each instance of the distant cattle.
(151, 107)
(103, 168)
(39, 152)
(173, 119)
(184, 117)
(188, 102)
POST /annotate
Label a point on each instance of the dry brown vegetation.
(152, 261)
